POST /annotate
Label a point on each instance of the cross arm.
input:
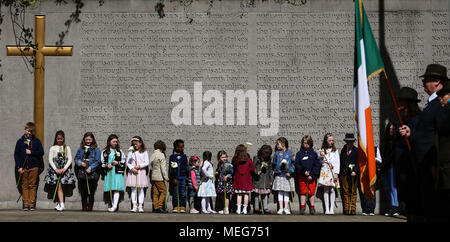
(46, 51)
(19, 50)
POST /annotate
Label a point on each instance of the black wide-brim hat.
(408, 94)
(349, 137)
(445, 89)
(436, 71)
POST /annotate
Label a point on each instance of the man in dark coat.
(349, 174)
(422, 139)
(443, 156)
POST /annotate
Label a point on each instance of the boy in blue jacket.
(28, 158)
(178, 173)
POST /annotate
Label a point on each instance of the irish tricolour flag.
(368, 63)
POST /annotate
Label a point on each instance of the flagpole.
(397, 112)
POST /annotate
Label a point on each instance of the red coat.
(242, 175)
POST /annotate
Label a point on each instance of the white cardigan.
(334, 159)
(54, 153)
(131, 163)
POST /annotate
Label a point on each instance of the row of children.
(189, 178)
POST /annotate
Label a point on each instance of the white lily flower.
(351, 166)
(173, 164)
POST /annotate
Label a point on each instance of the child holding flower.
(283, 166)
(137, 163)
(87, 162)
(28, 155)
(194, 182)
(329, 172)
(307, 167)
(60, 177)
(263, 179)
(113, 162)
(178, 173)
(159, 177)
(349, 174)
(224, 177)
(243, 184)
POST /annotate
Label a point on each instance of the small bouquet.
(322, 154)
(87, 153)
(283, 165)
(351, 166)
(118, 155)
(263, 168)
(61, 154)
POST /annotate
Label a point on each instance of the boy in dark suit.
(349, 174)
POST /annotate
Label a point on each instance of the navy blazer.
(36, 157)
(423, 134)
(311, 163)
(182, 171)
(347, 160)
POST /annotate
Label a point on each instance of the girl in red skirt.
(307, 167)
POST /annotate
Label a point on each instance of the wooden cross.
(39, 52)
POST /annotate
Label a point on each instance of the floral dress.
(60, 160)
(225, 170)
(330, 166)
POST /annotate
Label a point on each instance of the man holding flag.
(423, 140)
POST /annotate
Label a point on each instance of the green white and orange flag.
(368, 63)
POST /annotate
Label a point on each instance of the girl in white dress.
(329, 172)
(207, 190)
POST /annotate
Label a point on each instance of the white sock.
(116, 199)
(141, 195)
(204, 204)
(326, 198)
(208, 204)
(133, 196)
(332, 199)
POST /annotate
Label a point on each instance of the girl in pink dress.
(137, 162)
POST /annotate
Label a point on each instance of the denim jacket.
(95, 158)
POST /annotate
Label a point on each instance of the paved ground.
(42, 215)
